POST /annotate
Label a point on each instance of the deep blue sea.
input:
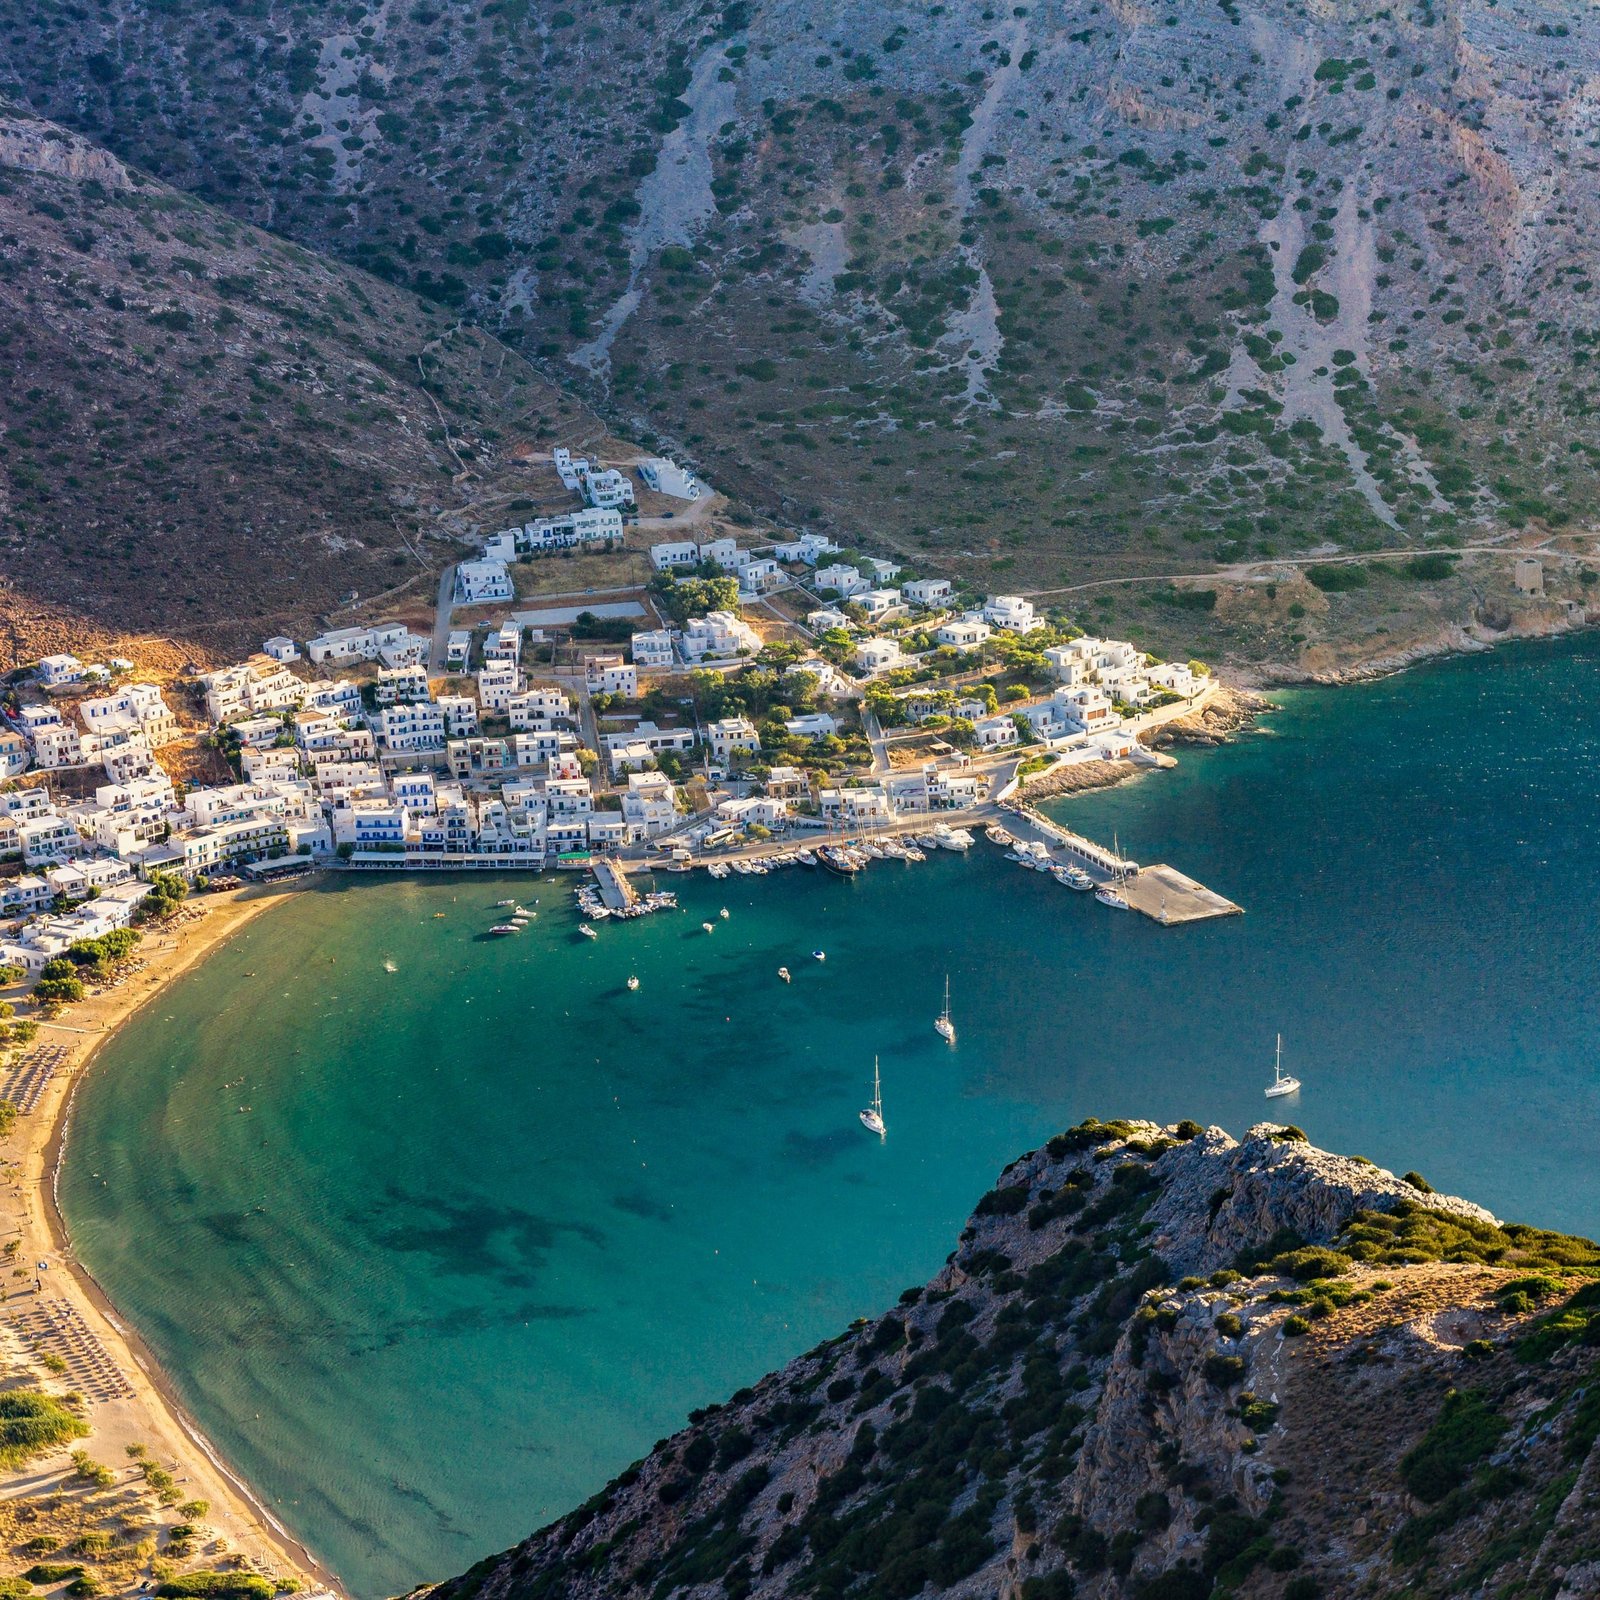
(432, 1252)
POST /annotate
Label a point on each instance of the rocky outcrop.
(30, 146)
(1161, 1362)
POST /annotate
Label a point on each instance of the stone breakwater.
(1159, 1356)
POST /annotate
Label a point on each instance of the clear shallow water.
(487, 1226)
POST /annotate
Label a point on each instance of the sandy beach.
(59, 1332)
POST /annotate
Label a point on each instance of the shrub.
(1418, 1182)
(1428, 567)
(1305, 1587)
(47, 1573)
(1312, 1262)
(1294, 1327)
(1465, 1431)
(31, 1423)
(1230, 1325)
(1332, 578)
(216, 1586)
(1222, 1372)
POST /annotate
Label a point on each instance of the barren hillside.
(210, 434)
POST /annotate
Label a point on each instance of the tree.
(9, 976)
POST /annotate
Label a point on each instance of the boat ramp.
(616, 893)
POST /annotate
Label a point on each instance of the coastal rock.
(1159, 1356)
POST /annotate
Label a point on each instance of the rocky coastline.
(1161, 1364)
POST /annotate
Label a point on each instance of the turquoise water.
(431, 1253)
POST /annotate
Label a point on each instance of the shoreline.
(153, 1413)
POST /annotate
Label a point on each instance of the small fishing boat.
(807, 859)
(1077, 878)
(819, 955)
(587, 931)
(914, 854)
(724, 913)
(783, 972)
(718, 869)
(706, 926)
(505, 902)
(633, 983)
(505, 927)
(872, 1117)
(942, 1024)
(1281, 1083)
(995, 834)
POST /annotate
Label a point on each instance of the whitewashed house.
(684, 553)
(652, 651)
(665, 476)
(963, 633)
(928, 592)
(731, 736)
(479, 582)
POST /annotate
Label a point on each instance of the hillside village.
(752, 691)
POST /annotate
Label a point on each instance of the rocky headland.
(1160, 1363)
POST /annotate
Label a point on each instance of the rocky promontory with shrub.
(1163, 1364)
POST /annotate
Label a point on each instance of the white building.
(719, 634)
(809, 548)
(928, 592)
(878, 655)
(963, 633)
(760, 575)
(611, 675)
(665, 476)
(457, 647)
(55, 671)
(842, 579)
(813, 725)
(853, 806)
(826, 619)
(478, 582)
(569, 468)
(1009, 611)
(879, 604)
(732, 736)
(497, 683)
(684, 553)
(607, 490)
(592, 525)
(355, 644)
(649, 805)
(652, 651)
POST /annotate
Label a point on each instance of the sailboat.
(1110, 894)
(872, 1117)
(1280, 1084)
(945, 1028)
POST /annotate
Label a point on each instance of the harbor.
(1029, 838)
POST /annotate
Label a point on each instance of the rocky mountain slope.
(210, 434)
(1063, 290)
(1159, 1364)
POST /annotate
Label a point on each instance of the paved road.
(441, 619)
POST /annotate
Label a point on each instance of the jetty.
(616, 893)
(1162, 893)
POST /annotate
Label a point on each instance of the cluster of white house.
(1100, 683)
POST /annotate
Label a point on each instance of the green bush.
(1465, 1431)
(1222, 1372)
(216, 1586)
(1230, 1325)
(47, 1573)
(1426, 568)
(1296, 1326)
(1312, 1262)
(1335, 578)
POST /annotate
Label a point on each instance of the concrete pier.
(1162, 893)
(616, 893)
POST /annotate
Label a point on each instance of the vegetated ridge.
(1062, 290)
(1160, 1364)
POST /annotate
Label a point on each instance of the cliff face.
(1161, 1363)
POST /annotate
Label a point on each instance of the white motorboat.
(587, 931)
(724, 913)
(633, 983)
(706, 926)
(942, 1024)
(783, 972)
(1281, 1083)
(807, 859)
(872, 1117)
